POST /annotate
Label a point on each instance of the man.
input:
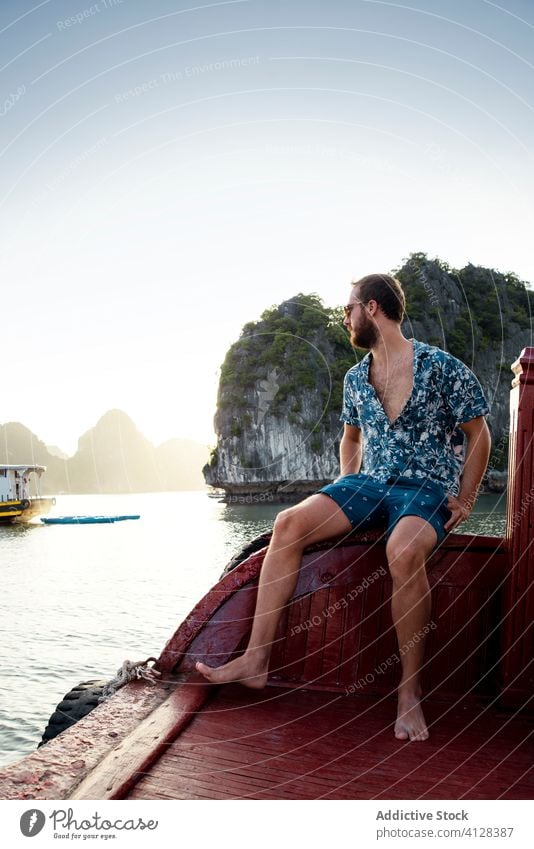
(403, 404)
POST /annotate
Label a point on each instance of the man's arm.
(476, 460)
(350, 450)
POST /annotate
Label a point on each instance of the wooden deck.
(302, 744)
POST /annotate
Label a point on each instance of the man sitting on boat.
(403, 405)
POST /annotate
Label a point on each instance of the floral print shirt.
(423, 443)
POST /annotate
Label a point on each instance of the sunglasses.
(349, 307)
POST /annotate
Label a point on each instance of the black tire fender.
(250, 548)
(76, 704)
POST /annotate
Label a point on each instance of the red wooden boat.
(323, 727)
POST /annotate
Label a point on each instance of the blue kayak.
(85, 520)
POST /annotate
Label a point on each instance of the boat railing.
(517, 643)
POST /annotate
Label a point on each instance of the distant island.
(112, 457)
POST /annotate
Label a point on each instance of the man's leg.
(408, 547)
(313, 520)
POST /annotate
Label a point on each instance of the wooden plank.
(378, 643)
(313, 660)
(295, 639)
(352, 636)
(54, 770)
(279, 648)
(385, 644)
(336, 617)
(123, 766)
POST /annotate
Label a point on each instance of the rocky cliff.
(481, 316)
(277, 419)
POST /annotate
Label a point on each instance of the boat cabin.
(15, 481)
(20, 497)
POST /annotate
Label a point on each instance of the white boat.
(16, 503)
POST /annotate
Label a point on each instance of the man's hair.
(386, 291)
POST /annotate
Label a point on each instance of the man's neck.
(390, 347)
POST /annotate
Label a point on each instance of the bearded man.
(402, 407)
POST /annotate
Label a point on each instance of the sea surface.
(77, 600)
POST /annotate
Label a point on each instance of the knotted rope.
(130, 672)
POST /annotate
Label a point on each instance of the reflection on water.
(77, 600)
(488, 516)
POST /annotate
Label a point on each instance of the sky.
(168, 170)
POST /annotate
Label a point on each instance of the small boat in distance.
(85, 520)
(16, 503)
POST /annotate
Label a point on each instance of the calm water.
(77, 600)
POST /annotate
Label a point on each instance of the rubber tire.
(76, 704)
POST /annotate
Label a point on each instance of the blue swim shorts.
(367, 502)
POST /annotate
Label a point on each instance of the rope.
(130, 672)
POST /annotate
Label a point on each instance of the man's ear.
(372, 307)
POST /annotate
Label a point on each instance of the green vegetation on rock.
(476, 306)
(303, 342)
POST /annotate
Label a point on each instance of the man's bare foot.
(410, 724)
(249, 670)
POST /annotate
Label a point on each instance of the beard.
(364, 336)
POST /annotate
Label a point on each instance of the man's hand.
(476, 460)
(460, 511)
